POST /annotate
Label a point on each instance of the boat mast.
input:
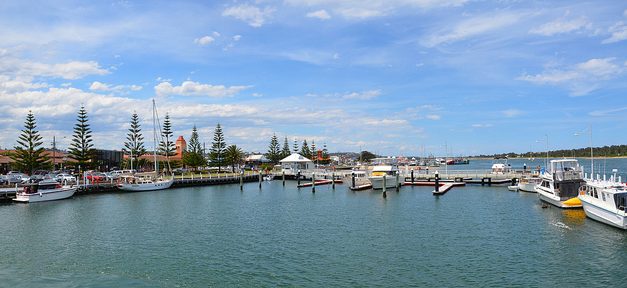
(154, 134)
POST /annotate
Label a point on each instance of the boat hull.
(603, 215)
(56, 194)
(157, 185)
(527, 187)
(377, 181)
(544, 196)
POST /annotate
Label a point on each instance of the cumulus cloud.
(237, 37)
(481, 125)
(472, 27)
(581, 78)
(320, 14)
(385, 122)
(70, 70)
(252, 15)
(99, 86)
(618, 33)
(191, 88)
(205, 40)
(561, 26)
(511, 113)
(357, 9)
(365, 95)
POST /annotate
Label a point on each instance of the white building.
(293, 163)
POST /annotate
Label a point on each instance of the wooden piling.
(283, 177)
(313, 182)
(333, 179)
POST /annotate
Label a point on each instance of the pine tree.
(194, 142)
(193, 157)
(81, 149)
(314, 152)
(134, 146)
(274, 152)
(166, 146)
(233, 156)
(217, 148)
(286, 149)
(304, 150)
(29, 155)
(295, 146)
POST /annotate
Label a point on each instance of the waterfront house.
(291, 164)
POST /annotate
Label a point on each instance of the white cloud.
(385, 122)
(70, 70)
(433, 117)
(512, 113)
(190, 88)
(481, 125)
(237, 37)
(252, 15)
(8, 85)
(365, 95)
(603, 113)
(205, 40)
(561, 26)
(618, 33)
(359, 9)
(581, 78)
(99, 86)
(472, 27)
(320, 14)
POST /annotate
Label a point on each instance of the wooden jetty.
(320, 182)
(444, 186)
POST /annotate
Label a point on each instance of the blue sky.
(393, 77)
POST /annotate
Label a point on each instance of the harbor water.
(219, 236)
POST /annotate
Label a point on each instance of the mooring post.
(313, 182)
(241, 180)
(412, 176)
(385, 194)
(298, 178)
(333, 180)
(489, 181)
(398, 184)
(353, 179)
(437, 182)
(260, 179)
(283, 177)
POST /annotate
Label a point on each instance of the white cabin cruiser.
(381, 172)
(47, 190)
(605, 201)
(136, 183)
(560, 183)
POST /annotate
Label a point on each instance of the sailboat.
(138, 183)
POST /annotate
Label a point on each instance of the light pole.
(591, 150)
(546, 161)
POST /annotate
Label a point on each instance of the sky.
(395, 77)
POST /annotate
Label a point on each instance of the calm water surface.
(219, 236)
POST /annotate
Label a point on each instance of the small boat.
(47, 190)
(605, 201)
(528, 184)
(268, 177)
(560, 184)
(513, 188)
(381, 172)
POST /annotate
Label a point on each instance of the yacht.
(380, 172)
(136, 183)
(528, 184)
(605, 201)
(47, 190)
(560, 183)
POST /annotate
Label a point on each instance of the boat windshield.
(621, 201)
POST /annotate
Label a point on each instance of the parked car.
(38, 175)
(65, 178)
(96, 177)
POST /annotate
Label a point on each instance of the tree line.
(604, 151)
(29, 154)
(276, 153)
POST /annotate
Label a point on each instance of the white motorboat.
(381, 172)
(605, 201)
(44, 191)
(528, 184)
(560, 184)
(135, 183)
(357, 178)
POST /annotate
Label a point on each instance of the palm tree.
(233, 155)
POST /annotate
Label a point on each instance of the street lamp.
(546, 161)
(589, 130)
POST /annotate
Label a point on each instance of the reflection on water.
(574, 216)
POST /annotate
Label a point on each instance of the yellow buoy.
(573, 202)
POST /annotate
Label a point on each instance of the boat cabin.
(44, 185)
